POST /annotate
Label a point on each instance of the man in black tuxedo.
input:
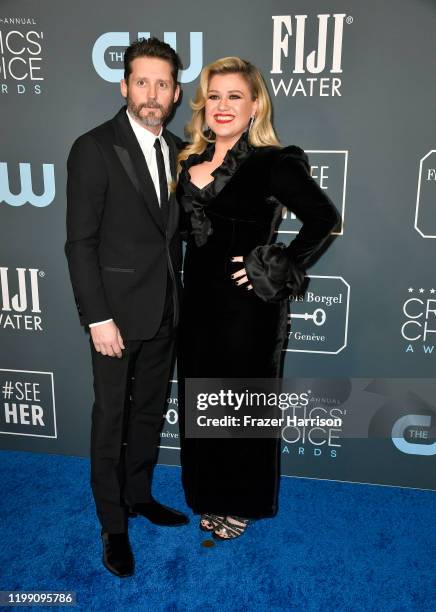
(124, 255)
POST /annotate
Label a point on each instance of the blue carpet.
(332, 547)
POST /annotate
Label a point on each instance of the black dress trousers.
(127, 417)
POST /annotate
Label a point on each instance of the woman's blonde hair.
(261, 133)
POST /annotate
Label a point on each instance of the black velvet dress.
(229, 331)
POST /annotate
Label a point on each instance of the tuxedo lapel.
(126, 161)
(132, 159)
(173, 207)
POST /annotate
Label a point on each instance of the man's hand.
(107, 339)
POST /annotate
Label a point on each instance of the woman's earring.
(208, 132)
(251, 123)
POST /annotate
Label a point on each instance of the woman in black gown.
(234, 180)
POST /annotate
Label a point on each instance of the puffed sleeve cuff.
(273, 273)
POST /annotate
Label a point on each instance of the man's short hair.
(151, 47)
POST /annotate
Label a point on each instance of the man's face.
(150, 92)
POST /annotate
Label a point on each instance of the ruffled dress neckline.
(195, 199)
(234, 157)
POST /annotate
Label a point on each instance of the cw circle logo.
(122, 40)
(414, 423)
(25, 194)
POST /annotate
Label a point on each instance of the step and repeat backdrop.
(353, 84)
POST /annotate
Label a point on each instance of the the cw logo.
(415, 422)
(121, 39)
(27, 194)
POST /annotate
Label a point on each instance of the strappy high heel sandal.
(209, 521)
(231, 527)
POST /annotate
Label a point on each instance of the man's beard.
(151, 119)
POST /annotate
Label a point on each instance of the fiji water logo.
(23, 192)
(293, 52)
(20, 307)
(425, 217)
(107, 54)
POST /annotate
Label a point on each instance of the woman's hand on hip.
(240, 277)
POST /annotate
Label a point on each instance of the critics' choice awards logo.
(329, 169)
(314, 440)
(17, 189)
(19, 299)
(425, 212)
(27, 403)
(318, 320)
(419, 320)
(108, 53)
(21, 56)
(307, 51)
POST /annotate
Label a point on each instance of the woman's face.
(229, 105)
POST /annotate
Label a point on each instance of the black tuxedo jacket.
(119, 248)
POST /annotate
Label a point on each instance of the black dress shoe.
(159, 514)
(117, 554)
